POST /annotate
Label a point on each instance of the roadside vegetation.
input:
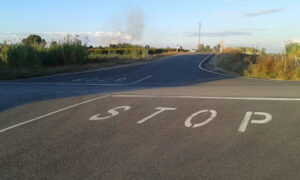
(33, 56)
(207, 49)
(258, 64)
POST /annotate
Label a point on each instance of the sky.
(160, 23)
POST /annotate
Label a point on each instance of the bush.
(19, 56)
(33, 56)
(272, 67)
(297, 73)
(292, 50)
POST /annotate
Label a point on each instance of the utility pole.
(199, 35)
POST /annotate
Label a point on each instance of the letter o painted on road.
(188, 123)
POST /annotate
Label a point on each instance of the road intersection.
(163, 120)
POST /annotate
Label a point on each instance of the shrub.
(33, 39)
(297, 73)
(272, 67)
(19, 56)
(292, 50)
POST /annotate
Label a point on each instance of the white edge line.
(135, 82)
(51, 113)
(209, 97)
(207, 58)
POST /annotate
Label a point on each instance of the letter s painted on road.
(113, 113)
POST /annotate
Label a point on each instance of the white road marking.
(245, 122)
(203, 69)
(188, 123)
(51, 113)
(208, 97)
(113, 113)
(135, 82)
(160, 110)
(248, 115)
(120, 79)
(100, 80)
(264, 121)
(93, 79)
(76, 80)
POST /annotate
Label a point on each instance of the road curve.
(164, 120)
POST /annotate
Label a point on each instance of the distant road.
(164, 120)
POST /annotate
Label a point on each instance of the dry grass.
(264, 66)
(274, 67)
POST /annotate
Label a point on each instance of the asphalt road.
(164, 120)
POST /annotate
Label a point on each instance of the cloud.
(262, 12)
(220, 34)
(233, 1)
(253, 29)
(90, 38)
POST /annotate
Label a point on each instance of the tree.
(33, 39)
(201, 48)
(217, 48)
(53, 43)
(181, 48)
(207, 48)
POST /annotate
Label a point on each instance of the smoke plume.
(135, 23)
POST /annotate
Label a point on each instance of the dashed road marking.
(120, 79)
(100, 80)
(140, 80)
(93, 79)
(76, 80)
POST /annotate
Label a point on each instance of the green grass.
(33, 58)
